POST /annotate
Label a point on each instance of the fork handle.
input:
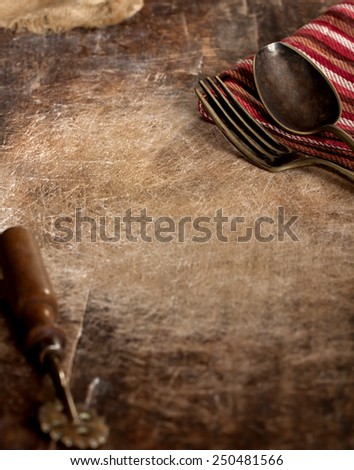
(341, 134)
(349, 174)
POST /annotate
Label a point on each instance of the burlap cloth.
(40, 16)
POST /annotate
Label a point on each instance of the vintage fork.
(251, 138)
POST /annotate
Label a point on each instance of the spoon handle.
(342, 135)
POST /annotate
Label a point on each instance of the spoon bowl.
(296, 93)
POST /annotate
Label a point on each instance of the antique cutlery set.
(299, 99)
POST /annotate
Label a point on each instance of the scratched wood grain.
(222, 344)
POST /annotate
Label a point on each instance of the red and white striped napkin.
(329, 42)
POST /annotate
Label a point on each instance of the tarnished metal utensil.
(296, 93)
(250, 138)
(34, 307)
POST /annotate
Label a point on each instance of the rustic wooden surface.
(196, 345)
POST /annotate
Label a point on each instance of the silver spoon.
(296, 93)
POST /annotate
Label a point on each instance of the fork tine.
(225, 111)
(230, 135)
(249, 121)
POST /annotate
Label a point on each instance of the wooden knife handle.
(29, 291)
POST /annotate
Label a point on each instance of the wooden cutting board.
(198, 341)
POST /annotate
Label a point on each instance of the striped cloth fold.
(329, 42)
